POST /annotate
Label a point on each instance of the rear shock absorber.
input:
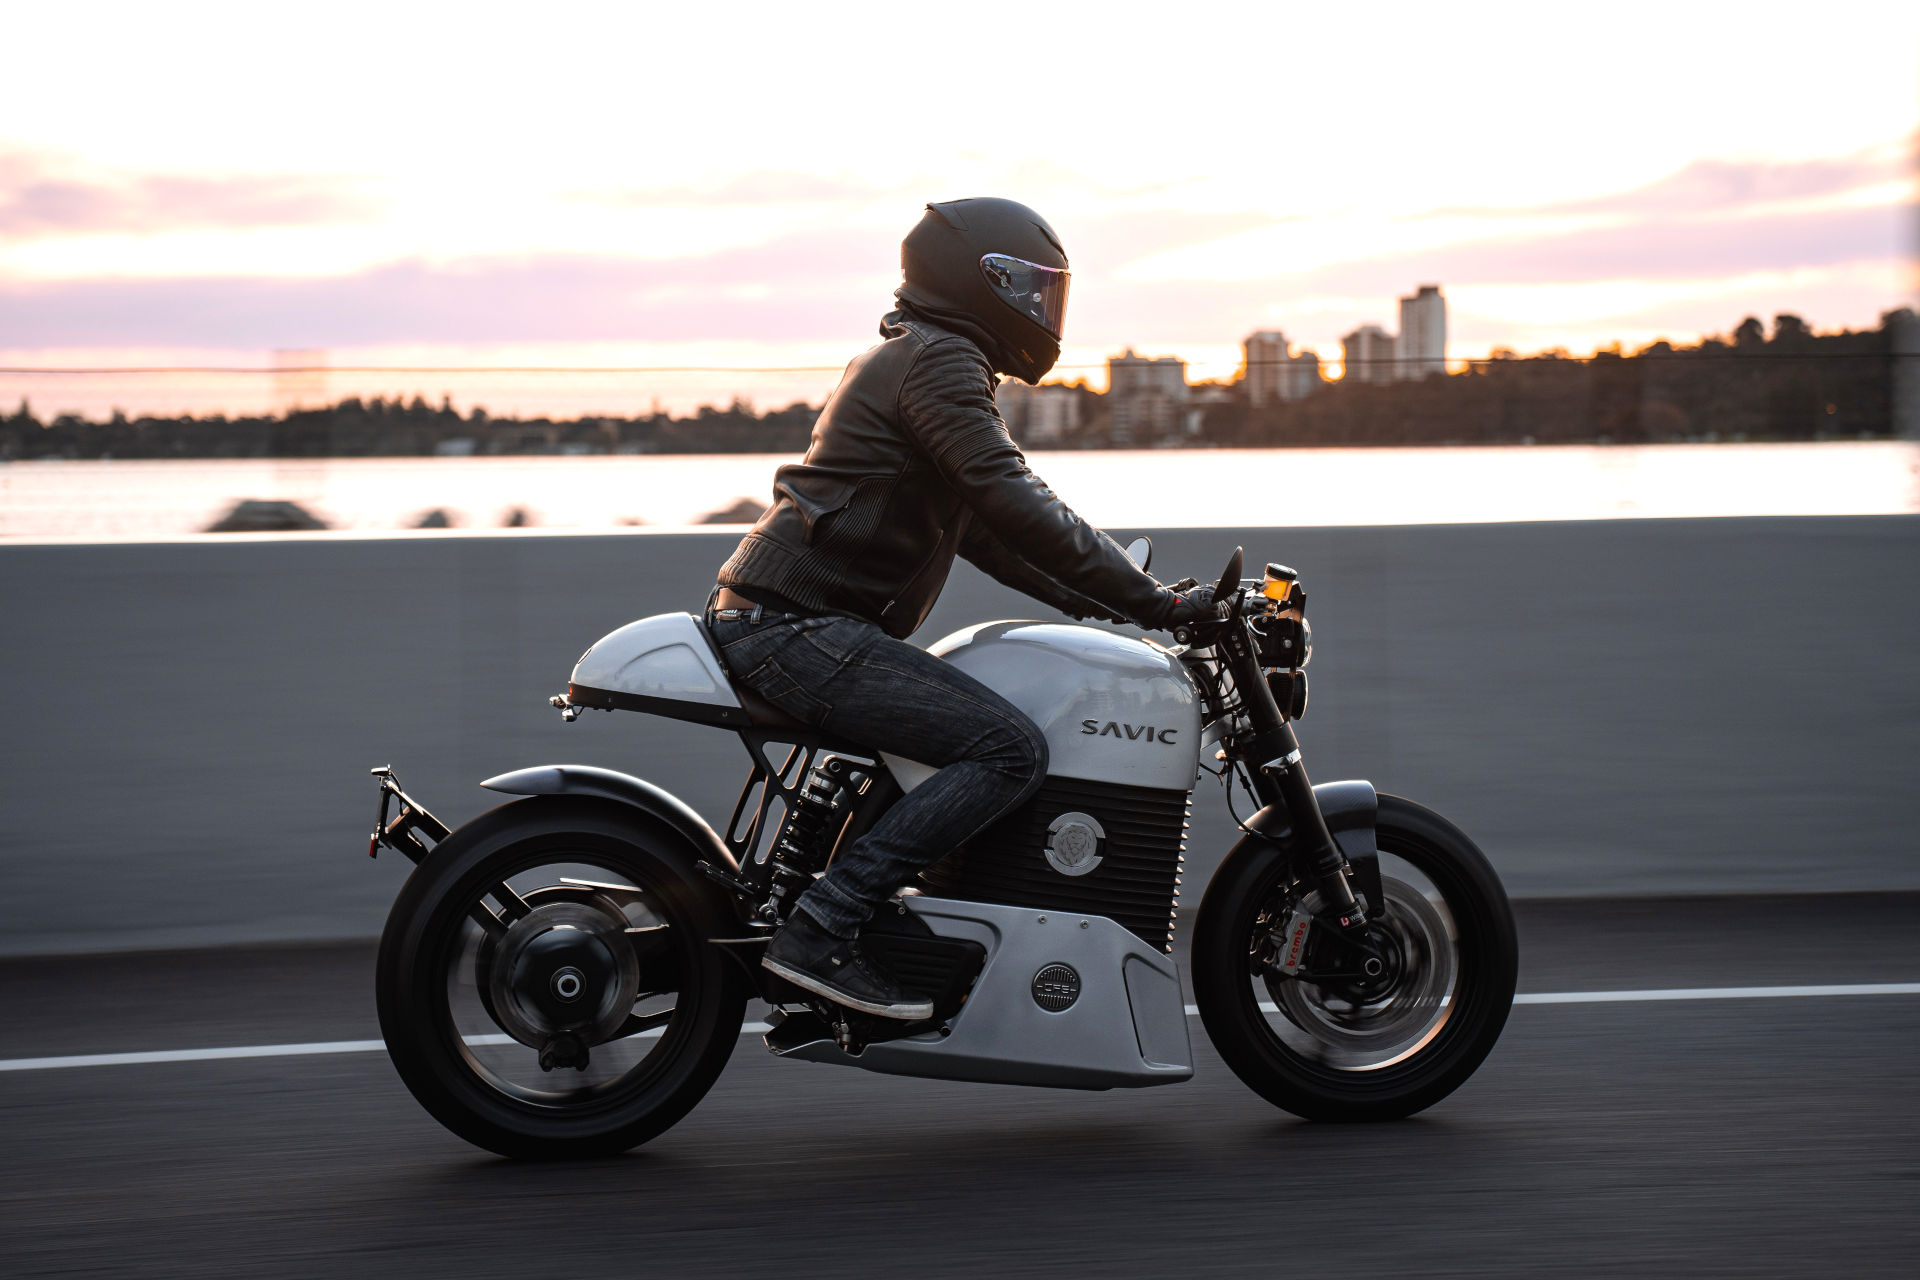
(806, 836)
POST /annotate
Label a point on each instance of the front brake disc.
(1373, 1026)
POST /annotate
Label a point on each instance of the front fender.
(610, 784)
(1351, 808)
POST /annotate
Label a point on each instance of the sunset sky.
(727, 185)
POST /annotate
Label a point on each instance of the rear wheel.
(545, 983)
(1374, 1031)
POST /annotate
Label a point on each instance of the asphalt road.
(1771, 1136)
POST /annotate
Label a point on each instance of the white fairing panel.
(1114, 708)
(1126, 1028)
(666, 656)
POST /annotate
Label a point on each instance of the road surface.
(1768, 1134)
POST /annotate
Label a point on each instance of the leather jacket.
(910, 464)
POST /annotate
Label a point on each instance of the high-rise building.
(1369, 354)
(1146, 398)
(1266, 362)
(1300, 376)
(1039, 416)
(1422, 346)
(1272, 373)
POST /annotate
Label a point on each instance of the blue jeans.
(854, 680)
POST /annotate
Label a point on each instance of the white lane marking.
(262, 1051)
(191, 1055)
(760, 1028)
(1721, 993)
(1690, 993)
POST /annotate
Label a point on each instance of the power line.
(1680, 354)
(392, 368)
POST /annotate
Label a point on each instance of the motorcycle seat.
(762, 714)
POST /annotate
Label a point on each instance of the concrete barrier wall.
(1629, 707)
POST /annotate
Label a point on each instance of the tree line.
(380, 427)
(1789, 384)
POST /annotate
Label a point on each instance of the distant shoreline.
(1706, 439)
(131, 500)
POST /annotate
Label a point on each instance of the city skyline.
(309, 379)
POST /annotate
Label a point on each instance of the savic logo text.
(1133, 732)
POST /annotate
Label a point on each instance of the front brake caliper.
(1290, 954)
(1281, 951)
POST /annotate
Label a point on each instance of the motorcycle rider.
(909, 465)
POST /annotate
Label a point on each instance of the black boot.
(806, 955)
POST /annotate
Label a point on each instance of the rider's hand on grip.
(1190, 604)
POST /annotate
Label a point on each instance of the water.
(144, 501)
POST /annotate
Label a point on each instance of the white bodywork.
(1127, 1028)
(667, 656)
(1114, 708)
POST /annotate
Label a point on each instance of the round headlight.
(1289, 689)
(1306, 642)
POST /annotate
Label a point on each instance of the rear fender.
(609, 784)
(690, 841)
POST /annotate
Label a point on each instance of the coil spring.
(802, 847)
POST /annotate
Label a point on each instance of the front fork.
(1273, 757)
(1279, 778)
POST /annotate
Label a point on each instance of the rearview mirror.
(1140, 551)
(1231, 578)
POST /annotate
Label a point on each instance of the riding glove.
(1179, 607)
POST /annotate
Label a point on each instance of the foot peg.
(796, 1031)
(821, 1021)
(740, 888)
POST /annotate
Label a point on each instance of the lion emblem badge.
(1073, 843)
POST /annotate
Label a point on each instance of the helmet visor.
(1036, 292)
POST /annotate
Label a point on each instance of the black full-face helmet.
(996, 264)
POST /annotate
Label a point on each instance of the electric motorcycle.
(567, 974)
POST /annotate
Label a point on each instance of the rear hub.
(564, 968)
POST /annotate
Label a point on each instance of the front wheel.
(546, 984)
(1332, 1027)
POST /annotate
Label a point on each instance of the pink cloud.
(767, 186)
(1713, 186)
(35, 202)
(834, 285)
(1651, 249)
(553, 298)
(1034, 181)
(1707, 249)
(1106, 242)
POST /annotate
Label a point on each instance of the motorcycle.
(567, 974)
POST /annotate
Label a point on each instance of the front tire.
(1375, 1049)
(665, 1007)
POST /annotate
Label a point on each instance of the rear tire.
(1318, 1085)
(422, 944)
